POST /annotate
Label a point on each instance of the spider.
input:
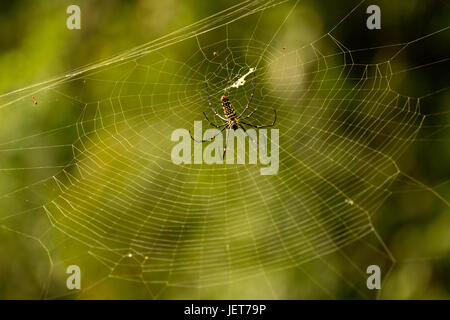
(232, 121)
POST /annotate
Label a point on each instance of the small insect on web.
(232, 121)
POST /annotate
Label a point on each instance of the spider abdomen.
(230, 114)
(228, 110)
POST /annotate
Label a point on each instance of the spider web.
(116, 204)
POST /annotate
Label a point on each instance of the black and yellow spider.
(232, 121)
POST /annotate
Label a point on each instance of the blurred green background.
(35, 46)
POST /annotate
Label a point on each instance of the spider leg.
(249, 101)
(252, 139)
(226, 144)
(263, 126)
(212, 138)
(212, 123)
(251, 113)
(211, 106)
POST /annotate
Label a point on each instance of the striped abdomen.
(228, 110)
(230, 113)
